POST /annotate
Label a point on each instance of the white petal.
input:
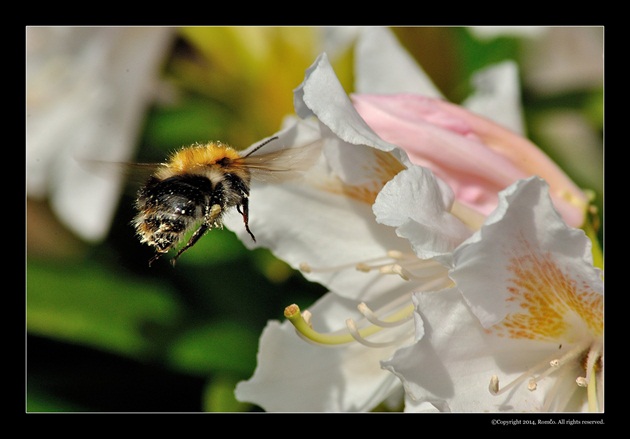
(497, 96)
(452, 365)
(295, 376)
(315, 221)
(524, 221)
(417, 204)
(322, 95)
(337, 40)
(384, 66)
(308, 222)
(412, 406)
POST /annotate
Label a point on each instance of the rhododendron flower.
(523, 329)
(365, 204)
(325, 220)
(328, 218)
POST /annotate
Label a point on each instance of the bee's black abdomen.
(179, 194)
(168, 208)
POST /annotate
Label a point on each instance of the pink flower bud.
(475, 156)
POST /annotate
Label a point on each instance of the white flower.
(328, 223)
(363, 213)
(523, 329)
(87, 89)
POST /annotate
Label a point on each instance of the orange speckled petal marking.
(381, 167)
(553, 305)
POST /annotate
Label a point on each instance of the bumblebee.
(198, 185)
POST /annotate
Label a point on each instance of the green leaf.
(219, 396)
(217, 347)
(40, 402)
(218, 246)
(86, 304)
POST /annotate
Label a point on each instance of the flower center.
(395, 316)
(588, 358)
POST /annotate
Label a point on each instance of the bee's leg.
(203, 228)
(155, 258)
(245, 213)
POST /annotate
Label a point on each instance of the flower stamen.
(592, 353)
(406, 265)
(372, 317)
(354, 331)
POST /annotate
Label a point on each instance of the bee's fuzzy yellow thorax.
(197, 157)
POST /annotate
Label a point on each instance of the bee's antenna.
(261, 145)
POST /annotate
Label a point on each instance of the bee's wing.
(282, 165)
(134, 174)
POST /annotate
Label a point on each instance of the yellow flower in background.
(250, 71)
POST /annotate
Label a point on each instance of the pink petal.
(475, 156)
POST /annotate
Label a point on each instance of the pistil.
(301, 322)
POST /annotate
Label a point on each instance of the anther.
(306, 315)
(494, 384)
(305, 268)
(533, 377)
(406, 265)
(395, 269)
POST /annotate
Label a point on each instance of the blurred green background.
(106, 333)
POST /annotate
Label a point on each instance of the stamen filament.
(591, 360)
(407, 266)
(553, 365)
(591, 393)
(552, 394)
(494, 382)
(366, 265)
(356, 334)
(589, 381)
(396, 269)
(470, 217)
(372, 318)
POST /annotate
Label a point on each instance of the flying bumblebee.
(199, 184)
